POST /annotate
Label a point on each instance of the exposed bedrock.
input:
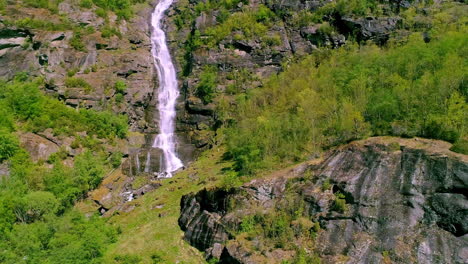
(405, 200)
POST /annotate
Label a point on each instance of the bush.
(339, 204)
(127, 259)
(116, 159)
(74, 82)
(88, 171)
(206, 88)
(119, 98)
(37, 204)
(86, 4)
(461, 146)
(122, 8)
(77, 42)
(120, 86)
(9, 145)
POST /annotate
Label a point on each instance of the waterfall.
(168, 93)
(148, 162)
(137, 163)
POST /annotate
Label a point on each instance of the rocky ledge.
(402, 201)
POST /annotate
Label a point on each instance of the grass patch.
(153, 233)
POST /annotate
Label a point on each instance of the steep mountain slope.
(265, 84)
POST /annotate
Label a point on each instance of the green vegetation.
(31, 23)
(122, 8)
(76, 41)
(248, 24)
(74, 82)
(22, 100)
(417, 89)
(206, 88)
(289, 229)
(9, 145)
(52, 5)
(120, 87)
(339, 204)
(37, 221)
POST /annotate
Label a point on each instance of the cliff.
(381, 200)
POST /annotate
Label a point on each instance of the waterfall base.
(147, 159)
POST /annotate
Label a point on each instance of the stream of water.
(168, 93)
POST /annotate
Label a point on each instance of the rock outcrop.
(40, 148)
(100, 62)
(403, 201)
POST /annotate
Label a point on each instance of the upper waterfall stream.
(168, 93)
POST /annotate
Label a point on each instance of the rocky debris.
(118, 190)
(405, 197)
(38, 147)
(318, 38)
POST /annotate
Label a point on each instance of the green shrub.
(37, 204)
(9, 145)
(326, 185)
(77, 42)
(100, 12)
(122, 8)
(3, 4)
(127, 259)
(120, 86)
(119, 98)
(206, 88)
(86, 4)
(339, 204)
(116, 159)
(89, 171)
(74, 82)
(107, 32)
(460, 146)
(72, 72)
(248, 224)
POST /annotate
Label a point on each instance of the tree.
(9, 145)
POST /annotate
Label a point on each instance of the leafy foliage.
(37, 224)
(418, 89)
(207, 86)
(22, 100)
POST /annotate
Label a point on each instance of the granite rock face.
(405, 202)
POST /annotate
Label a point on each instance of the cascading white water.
(168, 93)
(137, 160)
(148, 162)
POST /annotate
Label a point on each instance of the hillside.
(309, 131)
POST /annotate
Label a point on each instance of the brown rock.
(38, 147)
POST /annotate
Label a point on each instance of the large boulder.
(377, 29)
(38, 147)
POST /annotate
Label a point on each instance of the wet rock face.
(405, 202)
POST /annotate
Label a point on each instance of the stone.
(370, 28)
(411, 202)
(38, 147)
